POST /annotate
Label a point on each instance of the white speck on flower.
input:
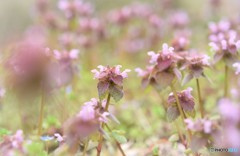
(74, 53)
(124, 73)
(205, 60)
(140, 72)
(103, 117)
(214, 46)
(237, 66)
(59, 137)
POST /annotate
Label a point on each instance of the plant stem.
(200, 99)
(85, 147)
(100, 142)
(117, 143)
(40, 121)
(180, 133)
(226, 82)
(183, 116)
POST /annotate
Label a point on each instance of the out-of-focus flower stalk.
(117, 143)
(200, 98)
(100, 142)
(183, 116)
(226, 82)
(41, 114)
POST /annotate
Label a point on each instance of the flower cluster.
(163, 70)
(204, 130)
(86, 123)
(224, 42)
(110, 81)
(186, 101)
(75, 7)
(195, 64)
(12, 144)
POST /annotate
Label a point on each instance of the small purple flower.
(195, 64)
(110, 81)
(186, 101)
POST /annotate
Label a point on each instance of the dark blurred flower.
(27, 65)
(179, 19)
(62, 69)
(230, 113)
(10, 145)
(110, 81)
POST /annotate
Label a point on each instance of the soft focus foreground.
(134, 78)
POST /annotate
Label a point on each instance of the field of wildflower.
(120, 78)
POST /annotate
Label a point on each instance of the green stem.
(226, 82)
(85, 147)
(100, 142)
(117, 143)
(40, 121)
(183, 116)
(200, 99)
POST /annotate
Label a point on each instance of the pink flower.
(185, 98)
(87, 113)
(110, 81)
(154, 57)
(237, 66)
(201, 125)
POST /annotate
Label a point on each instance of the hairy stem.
(183, 116)
(226, 82)
(40, 120)
(117, 143)
(200, 98)
(100, 142)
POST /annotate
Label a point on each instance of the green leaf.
(36, 149)
(172, 113)
(116, 92)
(155, 151)
(173, 138)
(119, 138)
(4, 131)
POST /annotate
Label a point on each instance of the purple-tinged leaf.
(172, 113)
(178, 74)
(187, 104)
(103, 87)
(116, 92)
(164, 79)
(197, 143)
(187, 78)
(118, 80)
(162, 65)
(217, 57)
